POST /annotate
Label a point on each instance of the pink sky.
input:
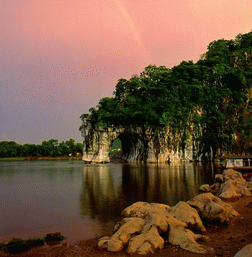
(59, 57)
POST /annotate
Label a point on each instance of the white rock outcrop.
(212, 208)
(184, 212)
(141, 209)
(229, 185)
(234, 185)
(147, 226)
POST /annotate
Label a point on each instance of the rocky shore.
(222, 239)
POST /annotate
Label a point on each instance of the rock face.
(159, 147)
(229, 185)
(245, 251)
(147, 226)
(212, 208)
(184, 212)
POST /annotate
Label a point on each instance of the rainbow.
(133, 29)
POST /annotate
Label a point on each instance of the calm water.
(83, 201)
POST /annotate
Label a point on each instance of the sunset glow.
(59, 57)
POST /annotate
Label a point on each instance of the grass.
(12, 159)
(19, 244)
(42, 158)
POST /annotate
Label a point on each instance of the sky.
(58, 58)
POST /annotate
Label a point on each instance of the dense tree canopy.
(47, 148)
(214, 94)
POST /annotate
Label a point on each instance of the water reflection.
(83, 200)
(109, 188)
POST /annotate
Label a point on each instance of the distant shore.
(41, 158)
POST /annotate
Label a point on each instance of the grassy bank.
(19, 244)
(12, 159)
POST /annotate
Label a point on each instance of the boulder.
(212, 208)
(229, 185)
(147, 242)
(186, 239)
(146, 224)
(246, 251)
(144, 235)
(249, 185)
(141, 209)
(233, 175)
(184, 212)
(129, 227)
(125, 230)
(205, 188)
(234, 185)
(150, 240)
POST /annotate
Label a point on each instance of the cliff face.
(137, 146)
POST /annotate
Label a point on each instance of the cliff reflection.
(108, 189)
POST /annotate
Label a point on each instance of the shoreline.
(226, 240)
(31, 158)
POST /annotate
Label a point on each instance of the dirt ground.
(226, 240)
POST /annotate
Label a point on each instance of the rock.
(229, 185)
(233, 189)
(249, 185)
(147, 242)
(205, 188)
(212, 208)
(143, 235)
(129, 227)
(245, 251)
(184, 212)
(145, 224)
(141, 209)
(150, 240)
(234, 175)
(115, 245)
(125, 230)
(234, 185)
(218, 178)
(186, 239)
(103, 242)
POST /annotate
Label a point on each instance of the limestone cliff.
(151, 146)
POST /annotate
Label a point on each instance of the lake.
(85, 200)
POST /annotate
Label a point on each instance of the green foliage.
(47, 148)
(18, 244)
(52, 237)
(214, 94)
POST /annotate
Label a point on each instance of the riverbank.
(79, 158)
(226, 240)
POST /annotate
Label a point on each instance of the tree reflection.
(109, 188)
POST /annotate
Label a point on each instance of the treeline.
(212, 96)
(48, 148)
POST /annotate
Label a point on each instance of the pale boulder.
(246, 251)
(184, 212)
(212, 208)
(233, 175)
(205, 188)
(129, 226)
(115, 245)
(143, 235)
(125, 230)
(148, 242)
(179, 235)
(234, 185)
(141, 209)
(249, 185)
